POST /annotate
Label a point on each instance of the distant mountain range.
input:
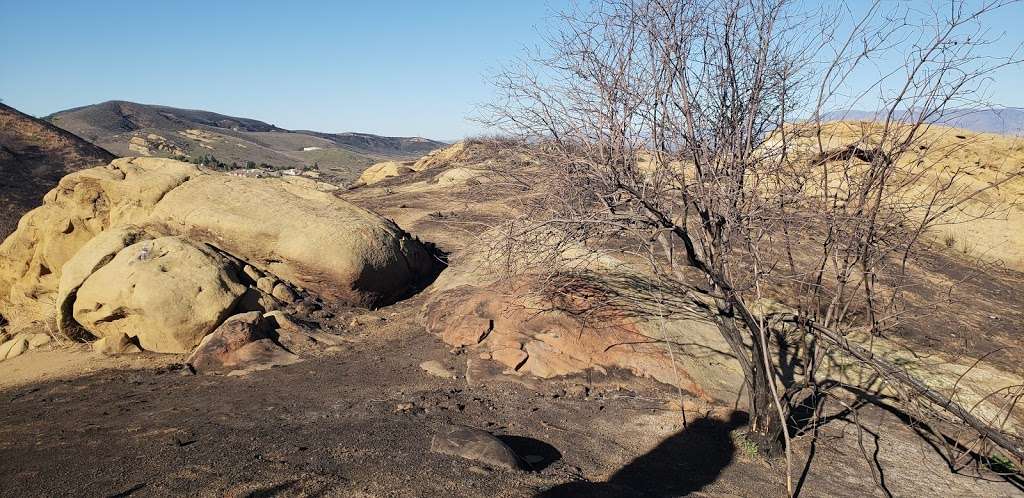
(132, 129)
(34, 155)
(1006, 120)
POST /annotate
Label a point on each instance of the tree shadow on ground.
(683, 463)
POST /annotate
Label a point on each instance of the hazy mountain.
(128, 128)
(34, 155)
(1006, 120)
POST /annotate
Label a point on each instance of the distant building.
(307, 149)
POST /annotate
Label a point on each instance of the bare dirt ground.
(331, 426)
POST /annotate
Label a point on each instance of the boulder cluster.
(155, 254)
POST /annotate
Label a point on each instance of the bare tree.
(690, 134)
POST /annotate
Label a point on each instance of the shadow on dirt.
(536, 454)
(683, 463)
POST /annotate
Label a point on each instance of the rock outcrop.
(161, 252)
(166, 292)
(382, 171)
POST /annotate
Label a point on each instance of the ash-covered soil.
(358, 420)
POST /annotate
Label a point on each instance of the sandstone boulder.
(166, 292)
(309, 238)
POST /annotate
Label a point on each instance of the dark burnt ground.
(329, 427)
(964, 309)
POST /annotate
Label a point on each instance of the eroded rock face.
(166, 292)
(522, 335)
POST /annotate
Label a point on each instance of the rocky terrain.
(34, 155)
(131, 129)
(173, 330)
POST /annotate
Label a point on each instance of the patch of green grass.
(1001, 464)
(749, 448)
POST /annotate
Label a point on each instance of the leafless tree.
(691, 135)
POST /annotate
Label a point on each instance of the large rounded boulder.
(90, 227)
(166, 292)
(310, 238)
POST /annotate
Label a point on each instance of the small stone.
(20, 346)
(284, 293)
(38, 340)
(474, 444)
(485, 356)
(404, 407)
(266, 284)
(252, 273)
(435, 368)
(118, 344)
(6, 347)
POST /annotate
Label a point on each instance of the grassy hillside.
(131, 129)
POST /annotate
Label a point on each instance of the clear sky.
(387, 67)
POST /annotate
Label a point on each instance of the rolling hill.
(1004, 121)
(34, 155)
(128, 128)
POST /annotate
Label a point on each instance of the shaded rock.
(241, 344)
(436, 369)
(474, 444)
(167, 292)
(254, 299)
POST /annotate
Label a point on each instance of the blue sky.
(394, 68)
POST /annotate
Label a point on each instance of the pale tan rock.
(382, 171)
(91, 257)
(253, 274)
(437, 369)
(266, 284)
(7, 346)
(510, 357)
(311, 239)
(20, 346)
(82, 205)
(39, 340)
(115, 344)
(166, 292)
(284, 293)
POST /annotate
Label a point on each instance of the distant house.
(307, 149)
(290, 172)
